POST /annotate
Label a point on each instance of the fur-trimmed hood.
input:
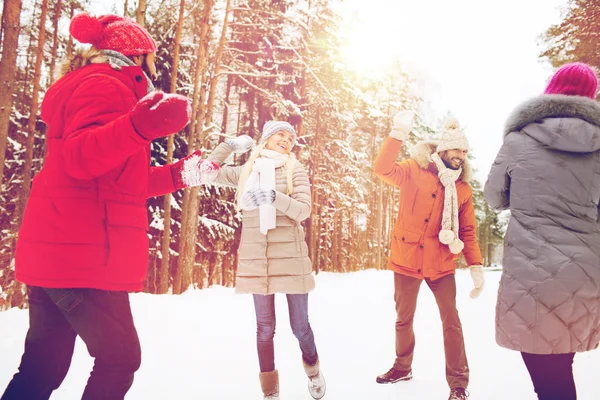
(92, 55)
(80, 59)
(422, 152)
(104, 66)
(567, 123)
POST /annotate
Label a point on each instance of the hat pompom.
(86, 28)
(456, 246)
(451, 123)
(446, 236)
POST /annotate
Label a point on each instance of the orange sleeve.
(387, 168)
(467, 231)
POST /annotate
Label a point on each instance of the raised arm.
(385, 166)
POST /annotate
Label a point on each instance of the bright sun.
(376, 34)
(369, 50)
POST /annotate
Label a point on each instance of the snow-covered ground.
(201, 345)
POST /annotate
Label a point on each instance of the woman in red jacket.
(83, 244)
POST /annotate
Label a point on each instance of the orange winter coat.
(415, 249)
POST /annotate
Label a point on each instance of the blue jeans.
(104, 322)
(265, 328)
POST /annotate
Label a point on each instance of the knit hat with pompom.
(112, 32)
(452, 137)
(575, 79)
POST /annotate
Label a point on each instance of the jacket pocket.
(404, 248)
(76, 220)
(118, 214)
(65, 299)
(127, 227)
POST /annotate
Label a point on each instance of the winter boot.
(269, 382)
(458, 393)
(393, 376)
(316, 381)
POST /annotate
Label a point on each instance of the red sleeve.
(160, 181)
(98, 133)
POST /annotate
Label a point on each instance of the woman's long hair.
(247, 169)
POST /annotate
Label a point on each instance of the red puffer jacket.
(85, 225)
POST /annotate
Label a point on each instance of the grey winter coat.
(548, 174)
(277, 262)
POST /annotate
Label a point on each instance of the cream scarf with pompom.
(449, 233)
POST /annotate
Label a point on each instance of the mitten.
(403, 121)
(160, 114)
(478, 280)
(241, 144)
(255, 198)
(193, 171)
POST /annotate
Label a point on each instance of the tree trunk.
(217, 68)
(379, 225)
(226, 106)
(70, 42)
(11, 25)
(126, 8)
(39, 56)
(189, 217)
(313, 231)
(140, 13)
(57, 12)
(163, 275)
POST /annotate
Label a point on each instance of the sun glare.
(368, 50)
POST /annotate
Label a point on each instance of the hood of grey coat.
(561, 122)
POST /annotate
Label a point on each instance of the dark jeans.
(104, 322)
(552, 375)
(265, 328)
(406, 290)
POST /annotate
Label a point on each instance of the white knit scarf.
(449, 233)
(263, 177)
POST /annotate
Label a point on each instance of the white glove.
(478, 280)
(192, 171)
(241, 144)
(403, 121)
(255, 198)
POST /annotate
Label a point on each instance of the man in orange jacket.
(436, 222)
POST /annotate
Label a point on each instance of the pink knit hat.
(576, 79)
(112, 32)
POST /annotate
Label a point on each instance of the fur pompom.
(86, 28)
(446, 236)
(451, 123)
(456, 246)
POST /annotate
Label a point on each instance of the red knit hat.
(576, 79)
(112, 32)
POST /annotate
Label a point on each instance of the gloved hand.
(193, 171)
(403, 121)
(241, 144)
(255, 198)
(478, 280)
(160, 114)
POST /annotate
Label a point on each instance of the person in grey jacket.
(547, 174)
(273, 191)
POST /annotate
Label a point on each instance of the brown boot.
(316, 381)
(269, 382)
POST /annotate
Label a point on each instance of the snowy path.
(201, 345)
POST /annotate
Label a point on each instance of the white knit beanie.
(272, 127)
(452, 137)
